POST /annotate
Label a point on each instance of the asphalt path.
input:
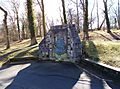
(49, 75)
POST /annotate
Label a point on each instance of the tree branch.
(3, 10)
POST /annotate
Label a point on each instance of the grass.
(19, 50)
(109, 53)
(16, 46)
(103, 47)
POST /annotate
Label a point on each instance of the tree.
(118, 16)
(43, 17)
(64, 12)
(61, 19)
(13, 27)
(85, 18)
(15, 9)
(116, 11)
(23, 27)
(101, 24)
(18, 26)
(97, 15)
(6, 28)
(70, 19)
(106, 16)
(78, 28)
(39, 23)
(31, 22)
(92, 19)
(77, 15)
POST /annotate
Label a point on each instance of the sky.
(52, 8)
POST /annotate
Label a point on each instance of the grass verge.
(107, 52)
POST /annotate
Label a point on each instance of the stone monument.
(61, 43)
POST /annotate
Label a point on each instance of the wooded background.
(33, 23)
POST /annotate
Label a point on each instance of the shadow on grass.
(7, 54)
(104, 36)
(23, 53)
(90, 50)
(115, 36)
(35, 53)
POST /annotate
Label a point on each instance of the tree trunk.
(6, 28)
(64, 12)
(101, 24)
(106, 16)
(115, 23)
(43, 18)
(78, 28)
(39, 24)
(85, 23)
(119, 22)
(118, 16)
(31, 22)
(97, 15)
(18, 26)
(61, 19)
(23, 30)
(91, 22)
(70, 16)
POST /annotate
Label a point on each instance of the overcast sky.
(52, 8)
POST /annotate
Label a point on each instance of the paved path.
(48, 75)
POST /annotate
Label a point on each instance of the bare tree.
(6, 28)
(118, 16)
(39, 23)
(92, 19)
(77, 15)
(106, 16)
(61, 16)
(78, 28)
(97, 11)
(43, 17)
(116, 11)
(64, 12)
(101, 24)
(23, 27)
(43, 23)
(13, 27)
(15, 9)
(39, 4)
(70, 16)
(85, 18)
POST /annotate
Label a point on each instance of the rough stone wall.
(61, 43)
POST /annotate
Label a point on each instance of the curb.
(19, 60)
(103, 69)
(29, 59)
